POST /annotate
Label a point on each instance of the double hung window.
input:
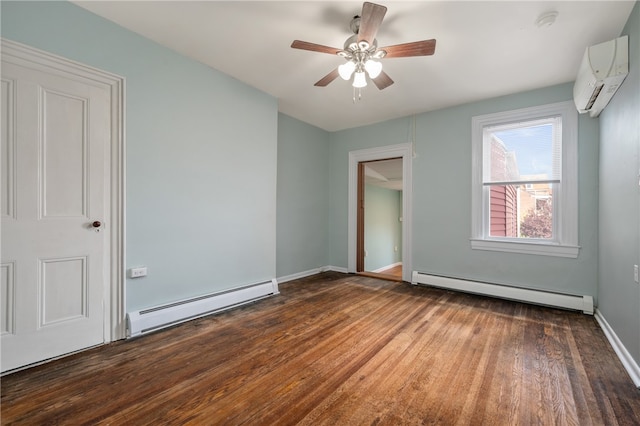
(524, 195)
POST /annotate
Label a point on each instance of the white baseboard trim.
(302, 274)
(386, 268)
(337, 269)
(625, 357)
(310, 272)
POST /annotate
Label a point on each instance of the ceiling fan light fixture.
(359, 80)
(362, 55)
(374, 68)
(345, 70)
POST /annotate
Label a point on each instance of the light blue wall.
(619, 295)
(303, 197)
(201, 183)
(382, 227)
(442, 197)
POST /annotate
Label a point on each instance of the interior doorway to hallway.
(379, 219)
(402, 151)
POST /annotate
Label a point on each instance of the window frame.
(565, 198)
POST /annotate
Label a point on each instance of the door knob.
(96, 224)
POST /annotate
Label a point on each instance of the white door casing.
(61, 275)
(404, 151)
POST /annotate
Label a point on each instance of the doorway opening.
(402, 151)
(379, 221)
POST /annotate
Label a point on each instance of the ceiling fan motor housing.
(354, 25)
(364, 48)
(352, 45)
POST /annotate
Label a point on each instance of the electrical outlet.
(138, 272)
(635, 273)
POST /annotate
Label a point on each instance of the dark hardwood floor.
(338, 349)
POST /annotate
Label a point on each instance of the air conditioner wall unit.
(602, 71)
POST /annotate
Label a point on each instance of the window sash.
(519, 182)
(489, 137)
(555, 220)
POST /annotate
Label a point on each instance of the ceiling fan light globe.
(359, 80)
(374, 68)
(345, 70)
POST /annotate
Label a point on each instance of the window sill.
(535, 248)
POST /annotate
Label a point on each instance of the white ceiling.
(385, 174)
(484, 49)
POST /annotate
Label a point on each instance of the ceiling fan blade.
(372, 15)
(416, 48)
(383, 80)
(327, 78)
(305, 45)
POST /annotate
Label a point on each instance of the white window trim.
(566, 224)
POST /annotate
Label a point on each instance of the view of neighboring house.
(518, 210)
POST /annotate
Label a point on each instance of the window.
(524, 196)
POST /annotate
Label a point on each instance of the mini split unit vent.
(603, 69)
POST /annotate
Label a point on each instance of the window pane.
(521, 211)
(522, 152)
(537, 221)
(504, 211)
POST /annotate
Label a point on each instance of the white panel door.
(54, 186)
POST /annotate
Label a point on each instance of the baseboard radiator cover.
(537, 297)
(152, 319)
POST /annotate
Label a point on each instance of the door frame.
(404, 151)
(361, 214)
(114, 291)
(360, 219)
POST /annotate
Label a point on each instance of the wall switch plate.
(140, 271)
(635, 273)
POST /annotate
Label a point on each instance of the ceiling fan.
(362, 53)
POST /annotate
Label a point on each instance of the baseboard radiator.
(538, 297)
(156, 318)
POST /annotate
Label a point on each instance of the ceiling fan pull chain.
(356, 99)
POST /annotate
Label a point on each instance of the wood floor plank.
(342, 349)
